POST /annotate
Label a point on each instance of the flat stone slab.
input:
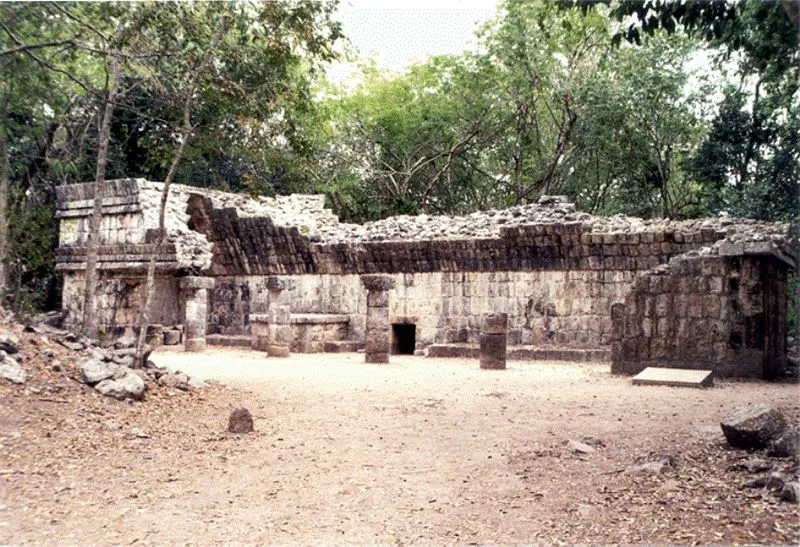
(677, 377)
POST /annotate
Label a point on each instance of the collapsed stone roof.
(308, 214)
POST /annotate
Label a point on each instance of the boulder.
(754, 425)
(240, 421)
(94, 370)
(786, 446)
(11, 370)
(9, 343)
(129, 386)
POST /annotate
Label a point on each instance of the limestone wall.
(725, 312)
(544, 307)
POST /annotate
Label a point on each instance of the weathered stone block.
(379, 358)
(493, 351)
(378, 299)
(278, 350)
(494, 323)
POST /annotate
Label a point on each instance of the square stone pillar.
(194, 295)
(279, 328)
(377, 344)
(494, 331)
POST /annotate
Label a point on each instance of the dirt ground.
(417, 451)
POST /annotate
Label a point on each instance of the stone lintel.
(196, 283)
(374, 282)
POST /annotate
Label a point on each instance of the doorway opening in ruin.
(404, 338)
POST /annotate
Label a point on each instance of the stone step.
(229, 340)
(525, 353)
(676, 377)
(343, 346)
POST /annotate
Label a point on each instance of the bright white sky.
(399, 33)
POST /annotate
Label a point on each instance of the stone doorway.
(404, 338)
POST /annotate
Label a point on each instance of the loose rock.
(240, 421)
(651, 465)
(791, 492)
(129, 386)
(9, 343)
(175, 380)
(578, 447)
(786, 446)
(93, 370)
(753, 425)
(11, 370)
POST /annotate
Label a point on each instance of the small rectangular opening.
(404, 339)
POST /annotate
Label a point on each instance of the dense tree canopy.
(648, 107)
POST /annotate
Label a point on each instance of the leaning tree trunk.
(161, 235)
(104, 131)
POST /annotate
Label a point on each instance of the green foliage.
(33, 236)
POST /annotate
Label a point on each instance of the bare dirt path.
(417, 451)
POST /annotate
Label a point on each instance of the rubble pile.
(50, 355)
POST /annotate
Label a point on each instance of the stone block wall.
(726, 313)
(544, 307)
(119, 299)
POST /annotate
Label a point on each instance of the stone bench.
(310, 331)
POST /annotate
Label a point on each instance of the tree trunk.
(5, 176)
(104, 131)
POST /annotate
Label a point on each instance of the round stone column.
(194, 295)
(377, 343)
(494, 331)
(279, 329)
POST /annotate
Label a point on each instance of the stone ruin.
(283, 274)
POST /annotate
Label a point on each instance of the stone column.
(494, 330)
(194, 294)
(376, 349)
(279, 329)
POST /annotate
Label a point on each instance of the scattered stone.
(577, 447)
(112, 425)
(651, 465)
(9, 343)
(786, 446)
(11, 370)
(791, 492)
(753, 425)
(240, 421)
(129, 386)
(93, 370)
